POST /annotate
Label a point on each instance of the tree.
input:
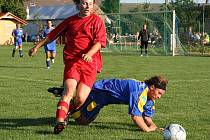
(146, 6)
(110, 6)
(186, 11)
(1, 3)
(16, 7)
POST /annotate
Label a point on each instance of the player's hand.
(87, 58)
(153, 128)
(32, 51)
(160, 129)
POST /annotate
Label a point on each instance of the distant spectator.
(196, 37)
(154, 36)
(28, 38)
(190, 35)
(37, 38)
(116, 38)
(33, 38)
(205, 39)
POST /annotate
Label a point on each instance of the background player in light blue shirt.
(139, 96)
(18, 34)
(50, 48)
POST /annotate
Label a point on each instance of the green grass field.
(28, 110)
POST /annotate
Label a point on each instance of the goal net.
(123, 30)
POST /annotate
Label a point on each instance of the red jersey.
(81, 34)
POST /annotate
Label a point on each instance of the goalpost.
(161, 25)
(173, 34)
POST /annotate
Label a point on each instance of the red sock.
(62, 109)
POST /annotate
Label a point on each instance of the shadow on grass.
(114, 125)
(22, 122)
(98, 125)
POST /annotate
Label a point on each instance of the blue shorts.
(90, 109)
(18, 42)
(50, 47)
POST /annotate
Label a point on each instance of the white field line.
(30, 80)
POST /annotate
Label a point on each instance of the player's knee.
(79, 100)
(69, 91)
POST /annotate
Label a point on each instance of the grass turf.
(28, 110)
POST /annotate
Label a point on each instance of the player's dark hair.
(48, 20)
(78, 1)
(157, 81)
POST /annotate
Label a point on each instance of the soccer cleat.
(57, 91)
(59, 127)
(48, 67)
(21, 55)
(141, 55)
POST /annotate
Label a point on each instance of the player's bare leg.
(53, 54)
(82, 94)
(20, 51)
(63, 105)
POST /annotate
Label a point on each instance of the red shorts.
(81, 71)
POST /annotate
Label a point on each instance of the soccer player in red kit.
(86, 34)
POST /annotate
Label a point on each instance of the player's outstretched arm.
(140, 122)
(149, 122)
(33, 50)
